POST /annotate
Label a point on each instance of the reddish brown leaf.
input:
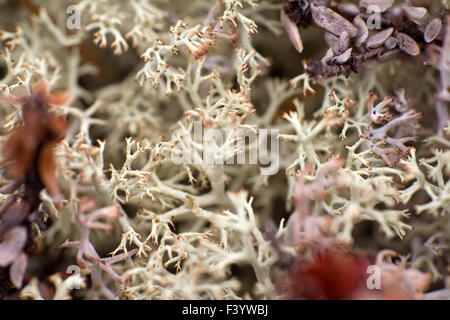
(20, 150)
(331, 275)
(59, 98)
(57, 126)
(47, 168)
(41, 89)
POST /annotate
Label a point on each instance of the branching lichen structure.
(224, 149)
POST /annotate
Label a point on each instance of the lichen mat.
(229, 149)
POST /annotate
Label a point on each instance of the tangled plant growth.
(96, 204)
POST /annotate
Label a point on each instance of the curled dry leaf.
(328, 56)
(17, 270)
(20, 146)
(407, 44)
(332, 21)
(382, 4)
(343, 58)
(378, 39)
(363, 32)
(339, 45)
(344, 42)
(32, 144)
(416, 14)
(12, 244)
(331, 39)
(332, 274)
(432, 30)
(47, 168)
(292, 31)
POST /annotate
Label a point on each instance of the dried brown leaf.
(19, 148)
(47, 169)
(416, 14)
(339, 45)
(344, 42)
(363, 32)
(292, 31)
(407, 44)
(332, 21)
(343, 58)
(378, 39)
(328, 56)
(331, 39)
(391, 43)
(432, 30)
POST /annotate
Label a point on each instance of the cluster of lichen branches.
(354, 153)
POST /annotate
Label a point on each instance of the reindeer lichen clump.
(115, 174)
